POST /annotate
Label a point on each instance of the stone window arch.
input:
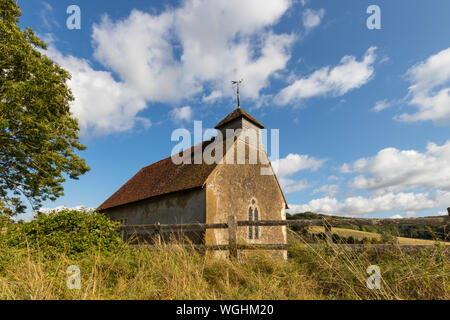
(253, 215)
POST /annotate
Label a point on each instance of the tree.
(38, 134)
(68, 231)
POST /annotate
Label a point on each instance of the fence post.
(232, 241)
(158, 232)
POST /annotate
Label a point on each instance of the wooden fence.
(233, 246)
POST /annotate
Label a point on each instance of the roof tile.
(160, 178)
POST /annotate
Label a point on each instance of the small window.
(256, 227)
(253, 215)
(250, 218)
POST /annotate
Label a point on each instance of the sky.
(363, 114)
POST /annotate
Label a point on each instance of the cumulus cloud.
(403, 181)
(181, 114)
(328, 189)
(381, 105)
(349, 74)
(102, 105)
(291, 186)
(312, 18)
(430, 89)
(292, 164)
(357, 206)
(213, 96)
(410, 214)
(296, 162)
(48, 16)
(173, 56)
(61, 208)
(217, 41)
(303, 2)
(394, 170)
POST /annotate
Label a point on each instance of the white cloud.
(213, 96)
(348, 75)
(291, 186)
(400, 181)
(296, 162)
(430, 89)
(385, 59)
(410, 214)
(328, 189)
(172, 56)
(181, 114)
(61, 208)
(312, 18)
(292, 164)
(357, 206)
(102, 105)
(396, 216)
(47, 16)
(381, 105)
(394, 170)
(334, 178)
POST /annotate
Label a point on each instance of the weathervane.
(237, 83)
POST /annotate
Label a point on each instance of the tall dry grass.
(174, 272)
(342, 274)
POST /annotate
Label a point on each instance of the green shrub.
(67, 231)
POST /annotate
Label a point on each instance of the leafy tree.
(38, 134)
(70, 231)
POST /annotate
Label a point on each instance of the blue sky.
(363, 114)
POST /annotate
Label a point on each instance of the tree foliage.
(38, 134)
(70, 231)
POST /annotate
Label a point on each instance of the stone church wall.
(178, 208)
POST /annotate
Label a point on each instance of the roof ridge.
(236, 113)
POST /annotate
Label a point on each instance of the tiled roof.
(161, 178)
(239, 112)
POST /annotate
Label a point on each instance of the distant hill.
(357, 235)
(441, 233)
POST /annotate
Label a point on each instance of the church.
(187, 193)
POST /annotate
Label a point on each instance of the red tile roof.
(161, 178)
(239, 112)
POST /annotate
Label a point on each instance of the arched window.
(253, 215)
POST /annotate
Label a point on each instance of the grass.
(174, 272)
(360, 235)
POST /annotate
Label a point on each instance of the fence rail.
(438, 221)
(233, 224)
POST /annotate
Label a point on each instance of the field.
(360, 235)
(35, 258)
(173, 272)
